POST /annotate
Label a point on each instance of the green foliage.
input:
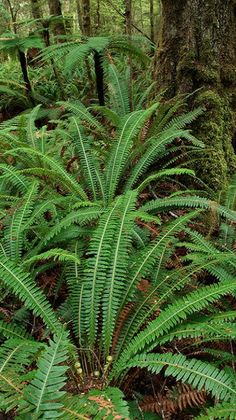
(94, 210)
(42, 394)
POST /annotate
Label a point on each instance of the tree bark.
(24, 70)
(36, 9)
(128, 17)
(197, 49)
(55, 10)
(151, 10)
(86, 18)
(79, 14)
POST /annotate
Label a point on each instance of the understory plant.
(88, 239)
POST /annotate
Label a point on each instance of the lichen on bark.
(197, 50)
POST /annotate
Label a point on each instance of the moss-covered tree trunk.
(86, 17)
(197, 49)
(36, 9)
(56, 11)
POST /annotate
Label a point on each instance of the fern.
(169, 318)
(118, 270)
(90, 166)
(226, 411)
(194, 372)
(118, 92)
(23, 286)
(15, 356)
(190, 202)
(11, 330)
(120, 151)
(42, 396)
(14, 236)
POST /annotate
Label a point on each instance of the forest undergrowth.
(117, 262)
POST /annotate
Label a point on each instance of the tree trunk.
(197, 49)
(86, 17)
(98, 16)
(152, 36)
(13, 15)
(128, 17)
(99, 77)
(24, 70)
(79, 14)
(36, 9)
(55, 10)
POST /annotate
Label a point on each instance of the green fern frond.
(147, 258)
(57, 254)
(11, 330)
(118, 269)
(190, 202)
(42, 396)
(14, 234)
(15, 357)
(221, 411)
(196, 373)
(98, 264)
(130, 127)
(68, 181)
(23, 286)
(12, 175)
(80, 216)
(154, 150)
(170, 317)
(119, 92)
(88, 161)
(81, 112)
(165, 173)
(110, 114)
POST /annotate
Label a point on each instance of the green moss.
(215, 128)
(228, 75)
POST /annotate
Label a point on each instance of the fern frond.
(190, 202)
(221, 411)
(42, 396)
(165, 173)
(66, 178)
(11, 330)
(148, 257)
(80, 216)
(90, 166)
(23, 286)
(170, 317)
(57, 254)
(97, 265)
(119, 92)
(17, 180)
(81, 112)
(118, 269)
(154, 151)
(14, 234)
(196, 373)
(120, 150)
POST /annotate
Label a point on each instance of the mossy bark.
(56, 11)
(197, 49)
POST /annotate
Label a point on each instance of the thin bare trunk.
(128, 17)
(152, 32)
(98, 16)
